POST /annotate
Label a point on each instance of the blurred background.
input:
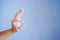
(42, 19)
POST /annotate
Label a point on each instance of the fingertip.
(22, 10)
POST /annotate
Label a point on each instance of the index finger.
(19, 14)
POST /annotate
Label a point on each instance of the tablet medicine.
(17, 24)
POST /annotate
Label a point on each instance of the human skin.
(7, 33)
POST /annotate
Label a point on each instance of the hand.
(17, 23)
(16, 20)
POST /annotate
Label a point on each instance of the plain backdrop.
(42, 19)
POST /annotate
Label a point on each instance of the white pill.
(17, 24)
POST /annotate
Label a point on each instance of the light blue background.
(42, 19)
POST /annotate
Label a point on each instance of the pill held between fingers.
(17, 24)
